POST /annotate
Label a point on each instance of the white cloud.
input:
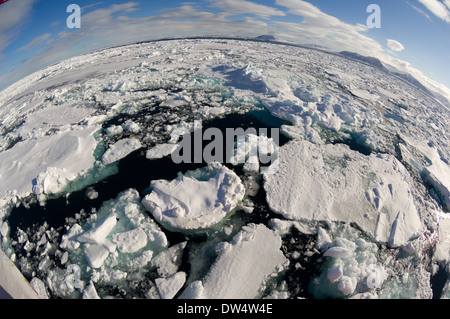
(438, 8)
(35, 42)
(419, 10)
(395, 45)
(320, 28)
(233, 7)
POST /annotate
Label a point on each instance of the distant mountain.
(394, 71)
(267, 37)
(318, 46)
(366, 59)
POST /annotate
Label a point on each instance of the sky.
(413, 35)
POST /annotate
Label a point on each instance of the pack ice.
(53, 121)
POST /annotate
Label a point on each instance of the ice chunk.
(439, 176)
(130, 241)
(193, 291)
(141, 261)
(334, 183)
(189, 204)
(121, 149)
(335, 273)
(323, 240)
(248, 149)
(168, 287)
(442, 252)
(425, 157)
(90, 292)
(233, 274)
(338, 252)
(96, 254)
(168, 261)
(39, 286)
(350, 267)
(114, 130)
(347, 285)
(161, 150)
(4, 228)
(99, 230)
(131, 127)
(69, 241)
(91, 193)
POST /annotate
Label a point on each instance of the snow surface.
(45, 166)
(234, 275)
(334, 183)
(189, 204)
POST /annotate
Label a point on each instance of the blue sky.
(414, 34)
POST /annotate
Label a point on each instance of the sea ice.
(334, 183)
(190, 204)
(121, 149)
(96, 254)
(99, 230)
(46, 165)
(130, 241)
(168, 261)
(233, 274)
(350, 266)
(442, 252)
(161, 150)
(168, 287)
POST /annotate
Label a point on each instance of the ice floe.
(45, 166)
(189, 204)
(120, 150)
(233, 274)
(334, 183)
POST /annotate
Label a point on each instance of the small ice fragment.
(90, 292)
(168, 287)
(39, 286)
(347, 285)
(99, 231)
(337, 252)
(130, 241)
(96, 254)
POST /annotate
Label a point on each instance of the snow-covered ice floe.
(45, 166)
(334, 183)
(190, 204)
(120, 150)
(243, 266)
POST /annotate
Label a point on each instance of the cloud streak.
(235, 7)
(326, 30)
(35, 42)
(438, 8)
(13, 16)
